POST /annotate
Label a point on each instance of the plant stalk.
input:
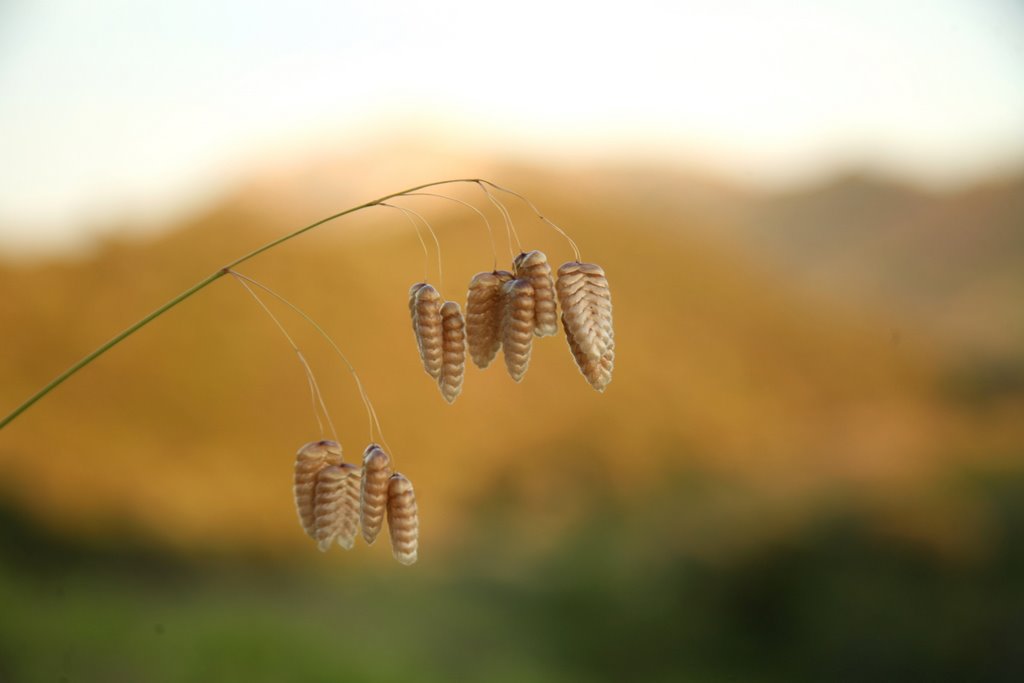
(208, 280)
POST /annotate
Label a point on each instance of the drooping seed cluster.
(310, 459)
(335, 499)
(484, 315)
(532, 266)
(440, 332)
(505, 310)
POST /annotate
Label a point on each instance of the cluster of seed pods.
(441, 337)
(336, 500)
(506, 310)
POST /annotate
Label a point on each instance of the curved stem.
(202, 284)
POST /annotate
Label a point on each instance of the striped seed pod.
(587, 318)
(426, 321)
(403, 519)
(337, 506)
(484, 312)
(517, 326)
(453, 366)
(533, 267)
(310, 459)
(373, 495)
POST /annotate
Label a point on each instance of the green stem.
(208, 280)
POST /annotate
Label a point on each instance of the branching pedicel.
(505, 310)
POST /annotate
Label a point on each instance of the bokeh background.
(808, 465)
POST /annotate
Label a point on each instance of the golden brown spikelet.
(484, 312)
(336, 506)
(517, 326)
(453, 366)
(310, 459)
(403, 519)
(427, 325)
(587, 318)
(533, 267)
(373, 499)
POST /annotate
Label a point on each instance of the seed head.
(453, 366)
(587, 318)
(373, 497)
(403, 519)
(533, 267)
(426, 321)
(484, 312)
(310, 459)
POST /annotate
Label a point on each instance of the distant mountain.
(952, 264)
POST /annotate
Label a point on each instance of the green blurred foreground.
(839, 600)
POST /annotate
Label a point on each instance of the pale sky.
(109, 107)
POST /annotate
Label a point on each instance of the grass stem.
(199, 286)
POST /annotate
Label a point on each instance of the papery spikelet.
(453, 365)
(310, 459)
(484, 312)
(426, 319)
(533, 267)
(373, 498)
(336, 506)
(587, 318)
(517, 326)
(403, 519)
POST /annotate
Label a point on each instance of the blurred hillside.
(938, 264)
(793, 346)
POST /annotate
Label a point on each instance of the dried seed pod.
(517, 326)
(587, 318)
(484, 312)
(403, 519)
(453, 366)
(337, 506)
(533, 267)
(373, 498)
(426, 320)
(310, 459)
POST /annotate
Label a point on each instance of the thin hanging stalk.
(202, 284)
